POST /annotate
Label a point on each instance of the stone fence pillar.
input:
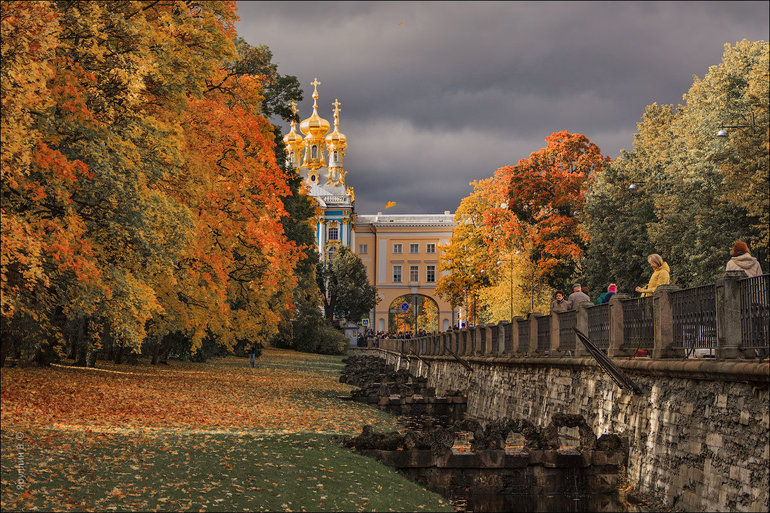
(555, 341)
(616, 327)
(728, 312)
(663, 321)
(581, 323)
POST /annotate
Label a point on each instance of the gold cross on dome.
(294, 107)
(315, 83)
(336, 106)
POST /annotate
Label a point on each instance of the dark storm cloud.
(436, 94)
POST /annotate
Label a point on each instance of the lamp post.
(723, 133)
(510, 297)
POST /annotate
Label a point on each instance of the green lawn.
(134, 467)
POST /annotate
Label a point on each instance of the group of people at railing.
(753, 311)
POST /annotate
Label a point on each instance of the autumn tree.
(546, 195)
(140, 192)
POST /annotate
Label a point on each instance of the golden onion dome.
(336, 138)
(315, 125)
(292, 139)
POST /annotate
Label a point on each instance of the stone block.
(693, 447)
(462, 460)
(745, 417)
(714, 440)
(721, 400)
(518, 459)
(735, 472)
(492, 458)
(687, 408)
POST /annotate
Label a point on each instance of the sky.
(435, 95)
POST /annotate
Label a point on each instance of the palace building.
(400, 252)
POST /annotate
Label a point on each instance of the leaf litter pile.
(217, 436)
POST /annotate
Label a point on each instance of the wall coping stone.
(692, 369)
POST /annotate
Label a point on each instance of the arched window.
(314, 152)
(335, 156)
(334, 233)
(332, 250)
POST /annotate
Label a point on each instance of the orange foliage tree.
(544, 199)
(140, 191)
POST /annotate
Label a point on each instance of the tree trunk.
(5, 341)
(118, 354)
(165, 348)
(155, 348)
(81, 342)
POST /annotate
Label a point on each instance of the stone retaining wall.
(698, 436)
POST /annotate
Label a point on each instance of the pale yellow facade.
(401, 255)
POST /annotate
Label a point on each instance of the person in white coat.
(743, 261)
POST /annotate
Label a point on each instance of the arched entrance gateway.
(413, 312)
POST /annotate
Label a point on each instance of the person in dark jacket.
(559, 304)
(605, 298)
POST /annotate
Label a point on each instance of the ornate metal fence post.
(728, 306)
(520, 344)
(532, 332)
(507, 344)
(491, 345)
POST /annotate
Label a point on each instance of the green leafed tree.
(345, 287)
(696, 193)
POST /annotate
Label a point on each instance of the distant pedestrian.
(743, 261)
(577, 297)
(660, 275)
(252, 354)
(559, 304)
(605, 298)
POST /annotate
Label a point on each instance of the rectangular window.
(398, 249)
(333, 233)
(414, 248)
(363, 249)
(414, 273)
(396, 274)
(430, 274)
(430, 248)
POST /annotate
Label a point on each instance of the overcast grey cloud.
(436, 94)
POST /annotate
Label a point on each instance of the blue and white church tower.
(325, 180)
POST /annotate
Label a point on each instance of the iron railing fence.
(567, 321)
(599, 326)
(523, 336)
(543, 333)
(638, 325)
(695, 320)
(755, 314)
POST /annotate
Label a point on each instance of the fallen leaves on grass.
(287, 392)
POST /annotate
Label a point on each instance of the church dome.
(336, 138)
(292, 140)
(315, 125)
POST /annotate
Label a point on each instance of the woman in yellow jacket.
(659, 276)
